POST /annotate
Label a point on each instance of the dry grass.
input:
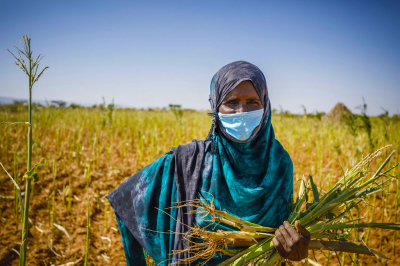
(108, 146)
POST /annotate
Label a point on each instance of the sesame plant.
(30, 68)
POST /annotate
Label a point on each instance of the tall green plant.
(177, 110)
(385, 119)
(366, 123)
(31, 70)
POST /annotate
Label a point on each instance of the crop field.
(87, 152)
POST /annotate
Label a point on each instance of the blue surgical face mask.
(241, 125)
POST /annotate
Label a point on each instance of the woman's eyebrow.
(254, 99)
(230, 98)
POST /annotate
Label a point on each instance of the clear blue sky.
(151, 54)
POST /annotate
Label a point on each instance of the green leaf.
(314, 189)
(306, 194)
(35, 177)
(32, 173)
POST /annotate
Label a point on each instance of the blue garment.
(141, 225)
(241, 125)
(252, 180)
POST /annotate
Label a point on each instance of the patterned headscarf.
(225, 80)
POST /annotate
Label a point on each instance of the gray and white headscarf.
(225, 80)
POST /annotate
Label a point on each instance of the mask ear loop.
(214, 124)
(212, 131)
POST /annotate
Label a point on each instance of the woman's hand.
(289, 243)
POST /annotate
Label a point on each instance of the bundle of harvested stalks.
(328, 218)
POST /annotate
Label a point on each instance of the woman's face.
(243, 98)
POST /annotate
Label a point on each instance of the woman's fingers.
(288, 238)
(279, 247)
(302, 230)
(280, 238)
(293, 233)
(290, 243)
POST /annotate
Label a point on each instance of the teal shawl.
(252, 180)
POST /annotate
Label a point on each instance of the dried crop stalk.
(328, 218)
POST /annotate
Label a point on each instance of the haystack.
(338, 114)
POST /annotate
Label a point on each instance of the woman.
(240, 165)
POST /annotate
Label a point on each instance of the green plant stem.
(16, 199)
(69, 194)
(237, 234)
(87, 234)
(381, 231)
(357, 237)
(255, 253)
(343, 246)
(343, 258)
(19, 193)
(328, 255)
(336, 246)
(242, 224)
(397, 197)
(319, 209)
(27, 196)
(273, 259)
(24, 244)
(370, 220)
(243, 252)
(321, 227)
(7, 146)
